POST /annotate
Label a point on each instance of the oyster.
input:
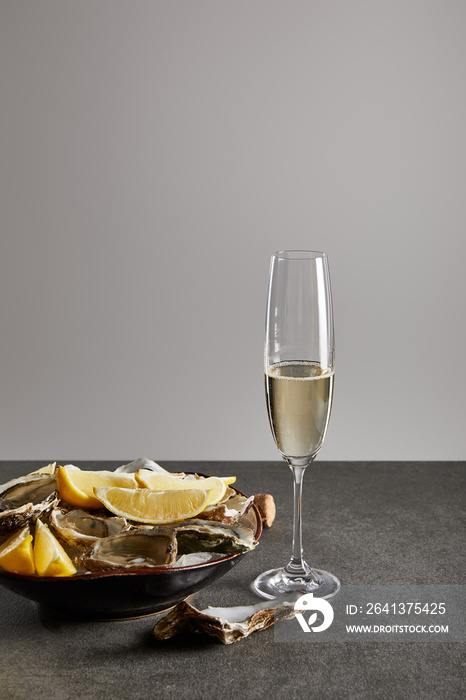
(79, 528)
(205, 536)
(197, 558)
(26, 498)
(229, 511)
(141, 463)
(136, 549)
(226, 624)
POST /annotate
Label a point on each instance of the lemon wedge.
(153, 507)
(167, 482)
(50, 558)
(76, 485)
(16, 553)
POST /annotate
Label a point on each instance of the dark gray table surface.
(367, 522)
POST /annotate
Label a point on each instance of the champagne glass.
(299, 370)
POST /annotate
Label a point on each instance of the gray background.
(153, 156)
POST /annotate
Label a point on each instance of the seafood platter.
(122, 544)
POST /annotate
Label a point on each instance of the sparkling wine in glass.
(299, 372)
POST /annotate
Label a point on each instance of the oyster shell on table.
(197, 535)
(225, 624)
(26, 498)
(80, 528)
(134, 549)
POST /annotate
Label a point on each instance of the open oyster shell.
(197, 558)
(141, 463)
(225, 624)
(24, 499)
(135, 549)
(80, 528)
(229, 511)
(206, 536)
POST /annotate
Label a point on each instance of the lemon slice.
(154, 507)
(76, 485)
(50, 558)
(167, 482)
(16, 553)
(228, 479)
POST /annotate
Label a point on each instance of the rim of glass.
(299, 254)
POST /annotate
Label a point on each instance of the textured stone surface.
(369, 523)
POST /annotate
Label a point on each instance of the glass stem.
(297, 566)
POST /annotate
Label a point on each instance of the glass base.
(277, 582)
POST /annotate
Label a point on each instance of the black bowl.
(118, 595)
